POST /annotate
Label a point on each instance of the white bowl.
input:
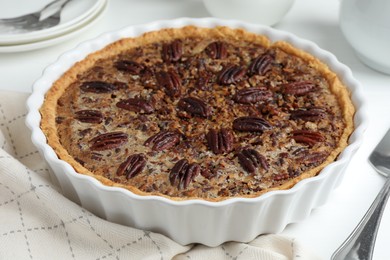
(366, 27)
(265, 12)
(191, 221)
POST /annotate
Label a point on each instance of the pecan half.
(171, 83)
(133, 165)
(231, 74)
(208, 173)
(299, 88)
(96, 156)
(194, 106)
(183, 173)
(163, 140)
(172, 51)
(308, 114)
(131, 67)
(136, 104)
(252, 95)
(217, 50)
(89, 116)
(260, 65)
(312, 158)
(281, 176)
(97, 87)
(220, 141)
(251, 159)
(250, 124)
(108, 141)
(307, 137)
(148, 78)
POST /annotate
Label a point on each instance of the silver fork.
(47, 17)
(360, 244)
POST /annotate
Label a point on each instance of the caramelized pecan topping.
(89, 116)
(131, 67)
(163, 140)
(217, 50)
(231, 74)
(220, 141)
(60, 119)
(299, 88)
(307, 137)
(260, 65)
(133, 165)
(194, 106)
(203, 81)
(138, 105)
(252, 95)
(251, 159)
(108, 141)
(250, 124)
(85, 132)
(171, 83)
(208, 101)
(183, 173)
(172, 51)
(97, 87)
(308, 114)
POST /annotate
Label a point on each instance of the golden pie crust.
(192, 84)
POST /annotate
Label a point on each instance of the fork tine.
(19, 19)
(12, 20)
(35, 25)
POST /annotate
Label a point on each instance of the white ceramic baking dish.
(195, 221)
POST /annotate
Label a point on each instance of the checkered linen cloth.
(37, 222)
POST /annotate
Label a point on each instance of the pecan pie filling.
(199, 115)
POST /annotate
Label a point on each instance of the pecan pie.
(198, 113)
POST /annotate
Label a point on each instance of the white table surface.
(327, 226)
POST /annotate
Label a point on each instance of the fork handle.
(51, 8)
(360, 244)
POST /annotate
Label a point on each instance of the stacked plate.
(76, 17)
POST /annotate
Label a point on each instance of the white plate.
(76, 12)
(60, 38)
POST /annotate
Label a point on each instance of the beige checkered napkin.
(37, 222)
